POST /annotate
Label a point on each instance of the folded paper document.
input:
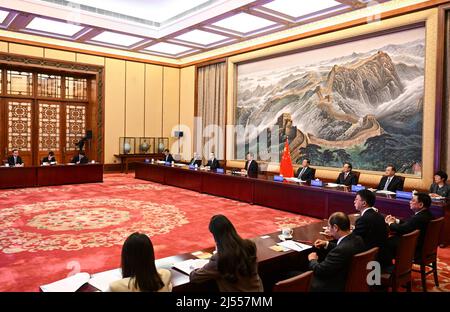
(385, 192)
(294, 245)
(68, 284)
(190, 265)
(102, 280)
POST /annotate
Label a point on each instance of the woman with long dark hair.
(234, 266)
(138, 267)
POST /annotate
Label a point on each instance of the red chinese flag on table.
(286, 169)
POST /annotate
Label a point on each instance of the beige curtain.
(445, 141)
(211, 110)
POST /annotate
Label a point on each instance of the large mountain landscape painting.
(359, 101)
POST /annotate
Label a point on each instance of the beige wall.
(140, 99)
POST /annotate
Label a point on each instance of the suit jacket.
(210, 271)
(11, 160)
(213, 164)
(168, 158)
(442, 191)
(307, 175)
(127, 284)
(395, 185)
(372, 228)
(252, 171)
(45, 159)
(351, 179)
(418, 221)
(194, 161)
(83, 160)
(331, 273)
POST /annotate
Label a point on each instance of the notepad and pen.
(293, 245)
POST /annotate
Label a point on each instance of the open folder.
(68, 284)
(190, 265)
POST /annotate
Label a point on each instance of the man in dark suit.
(81, 158)
(347, 177)
(15, 160)
(251, 166)
(305, 173)
(195, 161)
(212, 163)
(331, 273)
(390, 182)
(370, 226)
(167, 156)
(50, 158)
(419, 204)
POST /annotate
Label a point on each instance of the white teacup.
(287, 232)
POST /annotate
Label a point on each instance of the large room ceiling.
(167, 28)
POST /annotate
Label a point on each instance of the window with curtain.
(211, 110)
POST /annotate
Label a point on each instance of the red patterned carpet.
(48, 233)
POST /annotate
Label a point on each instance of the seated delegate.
(234, 266)
(138, 268)
(15, 160)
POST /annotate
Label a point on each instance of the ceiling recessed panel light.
(153, 10)
(3, 15)
(201, 37)
(54, 27)
(116, 39)
(167, 48)
(297, 8)
(244, 23)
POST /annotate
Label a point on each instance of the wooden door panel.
(49, 131)
(19, 125)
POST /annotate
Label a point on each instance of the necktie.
(345, 175)
(387, 183)
(301, 172)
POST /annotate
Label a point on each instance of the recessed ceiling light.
(201, 37)
(3, 15)
(50, 26)
(116, 39)
(244, 23)
(152, 10)
(297, 8)
(167, 48)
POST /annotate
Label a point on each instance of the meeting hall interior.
(224, 146)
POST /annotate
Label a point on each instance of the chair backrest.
(357, 274)
(431, 239)
(401, 179)
(313, 173)
(299, 283)
(405, 253)
(356, 173)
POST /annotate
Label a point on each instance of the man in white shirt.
(390, 182)
(331, 273)
(370, 226)
(15, 160)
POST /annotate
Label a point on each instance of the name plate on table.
(191, 167)
(356, 188)
(220, 170)
(278, 178)
(316, 183)
(402, 194)
(147, 161)
(167, 163)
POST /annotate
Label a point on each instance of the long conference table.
(33, 176)
(300, 198)
(271, 264)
